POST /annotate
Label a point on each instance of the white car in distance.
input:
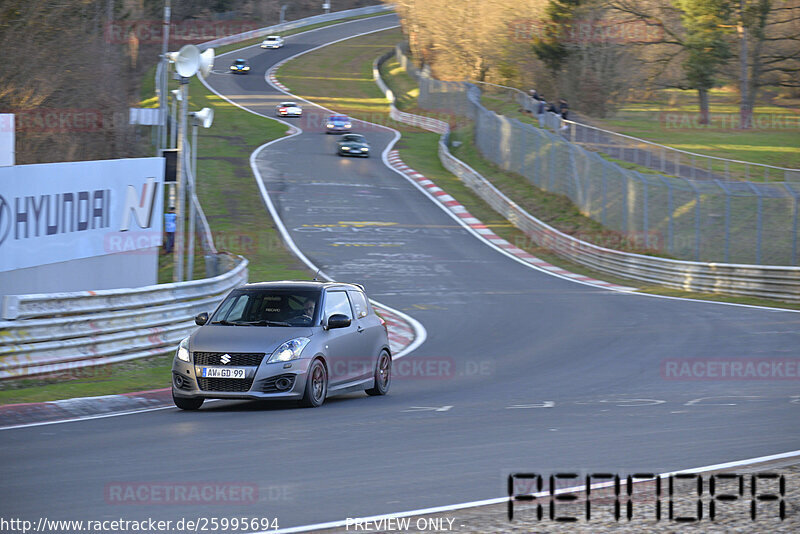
(288, 109)
(272, 41)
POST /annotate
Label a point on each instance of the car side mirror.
(338, 320)
(201, 318)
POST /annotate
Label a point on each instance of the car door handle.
(360, 328)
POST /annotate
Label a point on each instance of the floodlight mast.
(204, 118)
(177, 273)
(164, 76)
(188, 62)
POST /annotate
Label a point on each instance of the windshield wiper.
(227, 323)
(264, 322)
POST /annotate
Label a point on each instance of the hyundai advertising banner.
(57, 212)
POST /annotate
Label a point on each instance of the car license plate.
(224, 372)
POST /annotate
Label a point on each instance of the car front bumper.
(259, 382)
(353, 153)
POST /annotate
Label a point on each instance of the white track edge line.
(501, 500)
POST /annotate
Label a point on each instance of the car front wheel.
(316, 385)
(383, 375)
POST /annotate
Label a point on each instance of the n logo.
(140, 205)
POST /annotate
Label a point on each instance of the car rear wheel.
(187, 403)
(383, 375)
(316, 385)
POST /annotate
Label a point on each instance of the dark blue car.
(240, 66)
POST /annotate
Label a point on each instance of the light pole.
(177, 275)
(173, 119)
(188, 62)
(204, 118)
(326, 5)
(162, 90)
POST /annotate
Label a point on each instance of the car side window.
(337, 302)
(359, 303)
(237, 309)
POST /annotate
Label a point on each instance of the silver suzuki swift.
(284, 340)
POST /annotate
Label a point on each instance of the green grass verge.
(353, 91)
(670, 119)
(138, 375)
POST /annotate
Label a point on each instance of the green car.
(353, 145)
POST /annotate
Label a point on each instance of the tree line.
(73, 68)
(597, 52)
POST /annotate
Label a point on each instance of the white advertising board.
(57, 212)
(6, 139)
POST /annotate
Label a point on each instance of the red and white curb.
(486, 233)
(401, 333)
(273, 79)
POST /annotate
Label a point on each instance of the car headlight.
(290, 350)
(365, 149)
(347, 125)
(345, 148)
(329, 125)
(183, 351)
(247, 68)
(233, 68)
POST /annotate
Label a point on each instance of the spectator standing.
(563, 108)
(542, 106)
(170, 220)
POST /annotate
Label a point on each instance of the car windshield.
(240, 62)
(268, 307)
(353, 138)
(338, 119)
(288, 104)
(272, 38)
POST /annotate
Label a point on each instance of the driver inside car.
(308, 310)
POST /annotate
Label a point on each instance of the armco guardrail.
(777, 282)
(309, 21)
(43, 334)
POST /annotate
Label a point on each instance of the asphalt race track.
(521, 371)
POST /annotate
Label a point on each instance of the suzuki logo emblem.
(226, 358)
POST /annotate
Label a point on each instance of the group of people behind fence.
(543, 106)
